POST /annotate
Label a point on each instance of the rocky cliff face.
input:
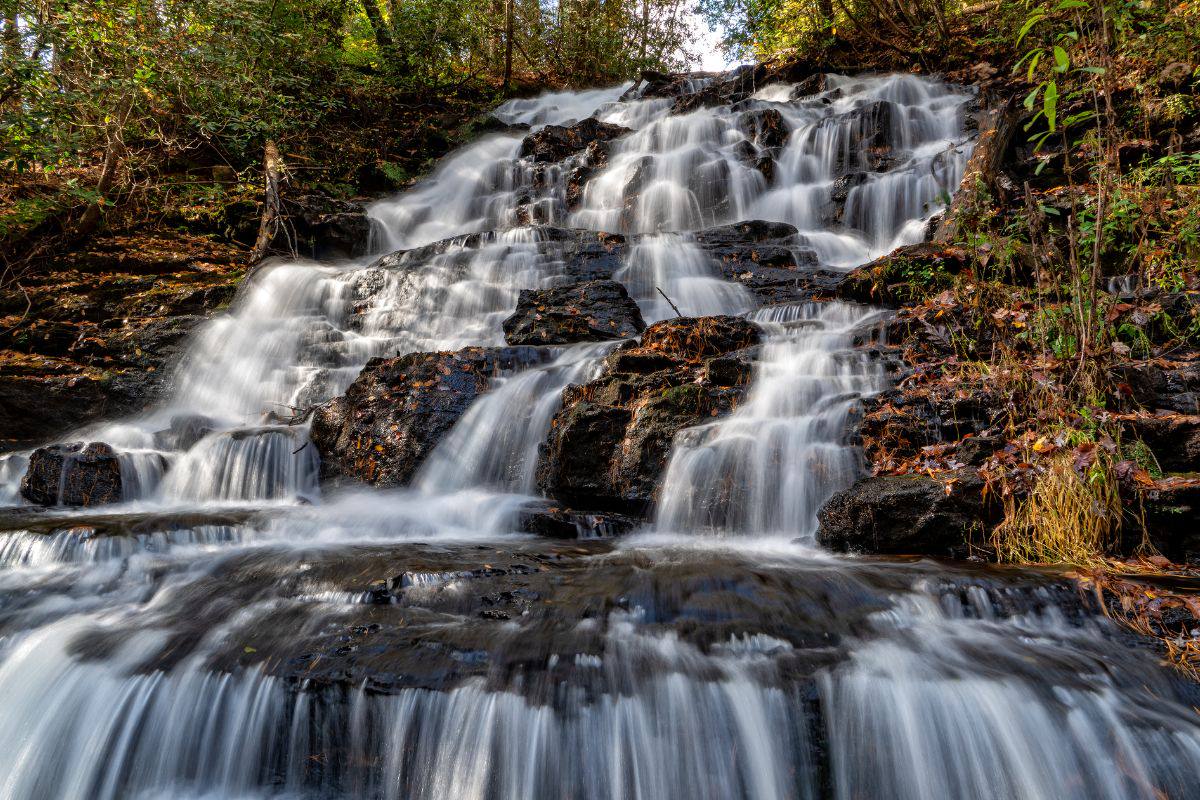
(96, 335)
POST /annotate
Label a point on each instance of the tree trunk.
(272, 215)
(509, 13)
(12, 34)
(383, 36)
(996, 127)
(114, 144)
(645, 34)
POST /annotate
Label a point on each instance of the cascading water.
(229, 633)
(769, 467)
(668, 268)
(495, 445)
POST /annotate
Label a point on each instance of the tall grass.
(1066, 517)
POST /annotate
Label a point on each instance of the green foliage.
(1053, 36)
(687, 397)
(771, 28)
(395, 173)
(116, 93)
(1152, 225)
(167, 77)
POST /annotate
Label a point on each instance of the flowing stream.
(228, 630)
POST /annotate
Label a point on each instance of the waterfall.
(669, 268)
(769, 467)
(228, 631)
(495, 445)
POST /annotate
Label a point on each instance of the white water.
(671, 264)
(769, 467)
(735, 667)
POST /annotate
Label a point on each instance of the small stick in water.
(664, 294)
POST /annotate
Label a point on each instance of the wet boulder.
(842, 186)
(595, 159)
(609, 443)
(554, 143)
(766, 128)
(871, 128)
(725, 88)
(398, 409)
(184, 431)
(653, 83)
(563, 523)
(809, 86)
(579, 255)
(766, 258)
(585, 312)
(755, 158)
(73, 474)
(906, 515)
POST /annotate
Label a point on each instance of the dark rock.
(324, 227)
(896, 425)
(559, 523)
(840, 191)
(398, 409)
(554, 143)
(1170, 510)
(975, 450)
(104, 325)
(609, 444)
(595, 256)
(766, 166)
(905, 514)
(488, 123)
(639, 179)
(748, 232)
(725, 89)
(813, 84)
(1161, 317)
(588, 311)
(766, 128)
(873, 126)
(73, 475)
(34, 407)
(1173, 438)
(594, 160)
(746, 152)
(881, 159)
(666, 84)
(1168, 383)
(709, 184)
(766, 259)
(183, 432)
(693, 338)
(584, 255)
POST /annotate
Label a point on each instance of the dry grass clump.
(1067, 516)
